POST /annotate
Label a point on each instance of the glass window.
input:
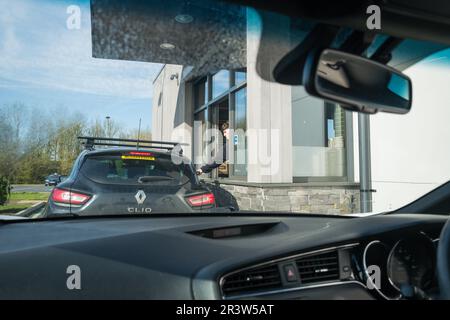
(239, 137)
(318, 137)
(335, 119)
(240, 76)
(220, 83)
(201, 93)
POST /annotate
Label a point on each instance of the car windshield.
(183, 107)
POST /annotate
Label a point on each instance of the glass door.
(219, 116)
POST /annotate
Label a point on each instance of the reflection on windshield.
(198, 73)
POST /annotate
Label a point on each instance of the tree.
(64, 146)
(34, 167)
(5, 190)
(145, 134)
(9, 142)
(104, 128)
(35, 143)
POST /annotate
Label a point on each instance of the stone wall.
(297, 198)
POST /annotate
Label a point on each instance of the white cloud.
(38, 50)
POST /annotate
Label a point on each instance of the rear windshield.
(124, 168)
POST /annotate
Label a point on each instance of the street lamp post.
(108, 126)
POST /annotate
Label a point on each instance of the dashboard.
(390, 256)
(394, 265)
(405, 265)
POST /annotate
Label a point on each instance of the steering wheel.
(443, 262)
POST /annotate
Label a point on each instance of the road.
(30, 188)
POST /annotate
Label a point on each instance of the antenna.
(139, 134)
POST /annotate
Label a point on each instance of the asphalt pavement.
(31, 188)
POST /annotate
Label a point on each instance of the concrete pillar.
(269, 110)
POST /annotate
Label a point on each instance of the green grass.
(12, 208)
(38, 196)
(14, 204)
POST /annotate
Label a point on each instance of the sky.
(45, 64)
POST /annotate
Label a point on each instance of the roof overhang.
(149, 31)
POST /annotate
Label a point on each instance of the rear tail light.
(206, 199)
(69, 197)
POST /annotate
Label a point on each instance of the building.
(288, 151)
(422, 162)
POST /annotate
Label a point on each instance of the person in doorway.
(207, 168)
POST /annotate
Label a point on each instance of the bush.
(5, 190)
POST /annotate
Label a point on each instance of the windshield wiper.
(145, 179)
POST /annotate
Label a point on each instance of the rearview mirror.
(357, 83)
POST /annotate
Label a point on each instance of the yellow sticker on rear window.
(138, 158)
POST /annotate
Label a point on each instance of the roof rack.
(91, 142)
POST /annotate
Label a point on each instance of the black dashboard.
(222, 257)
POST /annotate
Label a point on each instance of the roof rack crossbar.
(133, 140)
(93, 141)
(126, 145)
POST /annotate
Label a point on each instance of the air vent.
(252, 280)
(318, 268)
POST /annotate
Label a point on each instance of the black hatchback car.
(122, 179)
(52, 180)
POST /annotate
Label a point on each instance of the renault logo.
(140, 197)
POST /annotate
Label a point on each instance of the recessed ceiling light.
(184, 18)
(167, 46)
